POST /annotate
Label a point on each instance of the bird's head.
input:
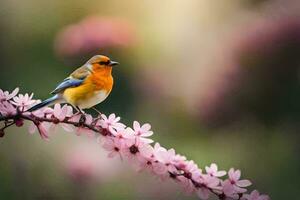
(100, 62)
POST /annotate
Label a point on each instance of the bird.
(86, 87)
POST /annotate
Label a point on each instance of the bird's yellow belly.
(85, 97)
(95, 99)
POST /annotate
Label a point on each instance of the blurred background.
(218, 80)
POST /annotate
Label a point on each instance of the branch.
(132, 144)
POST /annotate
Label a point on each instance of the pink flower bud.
(19, 122)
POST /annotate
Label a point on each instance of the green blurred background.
(218, 80)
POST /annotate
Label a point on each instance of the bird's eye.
(104, 62)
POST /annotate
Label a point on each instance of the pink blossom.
(158, 148)
(67, 127)
(229, 190)
(43, 129)
(111, 123)
(255, 196)
(203, 192)
(142, 131)
(5, 96)
(189, 167)
(213, 171)
(43, 112)
(113, 146)
(179, 159)
(81, 130)
(206, 182)
(149, 163)
(62, 112)
(23, 101)
(186, 184)
(32, 128)
(159, 169)
(234, 178)
(164, 160)
(188, 170)
(19, 122)
(146, 163)
(135, 148)
(124, 134)
(7, 109)
(166, 157)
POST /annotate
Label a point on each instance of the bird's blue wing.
(67, 83)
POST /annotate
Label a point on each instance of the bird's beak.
(113, 63)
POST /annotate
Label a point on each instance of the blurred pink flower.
(189, 170)
(94, 33)
(7, 109)
(44, 130)
(179, 160)
(258, 72)
(229, 190)
(23, 101)
(186, 184)
(80, 168)
(5, 96)
(150, 164)
(254, 195)
(43, 112)
(124, 134)
(207, 182)
(43, 127)
(113, 146)
(234, 178)
(213, 171)
(62, 112)
(84, 163)
(165, 156)
(19, 122)
(112, 123)
(159, 169)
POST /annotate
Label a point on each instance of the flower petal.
(243, 183)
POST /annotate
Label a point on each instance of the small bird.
(86, 87)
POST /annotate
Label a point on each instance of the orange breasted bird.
(86, 87)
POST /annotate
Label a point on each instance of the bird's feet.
(95, 109)
(82, 119)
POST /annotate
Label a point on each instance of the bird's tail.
(52, 100)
